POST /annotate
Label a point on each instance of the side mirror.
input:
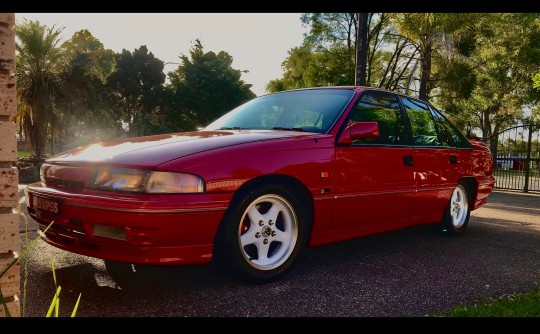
(359, 130)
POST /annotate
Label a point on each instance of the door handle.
(408, 160)
(453, 159)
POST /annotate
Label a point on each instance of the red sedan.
(282, 171)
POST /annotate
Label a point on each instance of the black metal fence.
(517, 158)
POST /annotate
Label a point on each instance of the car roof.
(357, 88)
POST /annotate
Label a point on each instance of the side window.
(384, 109)
(444, 134)
(423, 126)
(458, 140)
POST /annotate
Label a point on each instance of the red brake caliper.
(244, 227)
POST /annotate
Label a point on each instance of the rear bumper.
(157, 230)
(486, 184)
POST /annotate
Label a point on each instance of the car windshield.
(311, 110)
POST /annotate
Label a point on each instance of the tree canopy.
(491, 86)
(207, 84)
(481, 68)
(478, 68)
(77, 92)
(40, 64)
(136, 84)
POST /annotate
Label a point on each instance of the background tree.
(535, 111)
(478, 68)
(136, 85)
(430, 33)
(327, 29)
(206, 86)
(305, 68)
(361, 49)
(40, 64)
(328, 53)
(84, 110)
(536, 81)
(503, 51)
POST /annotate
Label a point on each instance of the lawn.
(23, 154)
(518, 305)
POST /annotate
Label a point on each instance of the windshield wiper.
(287, 129)
(230, 128)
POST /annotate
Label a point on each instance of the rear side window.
(447, 129)
(384, 109)
(424, 129)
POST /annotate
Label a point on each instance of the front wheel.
(263, 233)
(457, 213)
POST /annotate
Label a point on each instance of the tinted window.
(313, 110)
(444, 134)
(457, 139)
(384, 109)
(423, 126)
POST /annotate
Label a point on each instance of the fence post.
(494, 149)
(527, 164)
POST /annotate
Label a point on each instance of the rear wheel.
(457, 213)
(263, 233)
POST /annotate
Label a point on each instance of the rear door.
(436, 161)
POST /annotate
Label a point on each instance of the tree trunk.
(52, 138)
(350, 21)
(486, 125)
(373, 37)
(38, 126)
(423, 93)
(361, 49)
(409, 79)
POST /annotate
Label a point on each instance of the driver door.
(374, 184)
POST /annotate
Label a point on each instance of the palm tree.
(40, 63)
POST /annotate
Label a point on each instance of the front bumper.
(147, 229)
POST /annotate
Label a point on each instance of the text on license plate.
(47, 205)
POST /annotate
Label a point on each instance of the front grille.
(69, 178)
(66, 184)
(64, 228)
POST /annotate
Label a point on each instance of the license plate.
(47, 205)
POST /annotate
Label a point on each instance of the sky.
(258, 42)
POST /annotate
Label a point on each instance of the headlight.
(138, 180)
(122, 179)
(165, 182)
(42, 174)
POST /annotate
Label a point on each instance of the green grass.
(24, 154)
(519, 305)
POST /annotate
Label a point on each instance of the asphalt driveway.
(412, 272)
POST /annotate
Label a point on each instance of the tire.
(262, 234)
(457, 213)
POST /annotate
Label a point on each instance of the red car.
(284, 170)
